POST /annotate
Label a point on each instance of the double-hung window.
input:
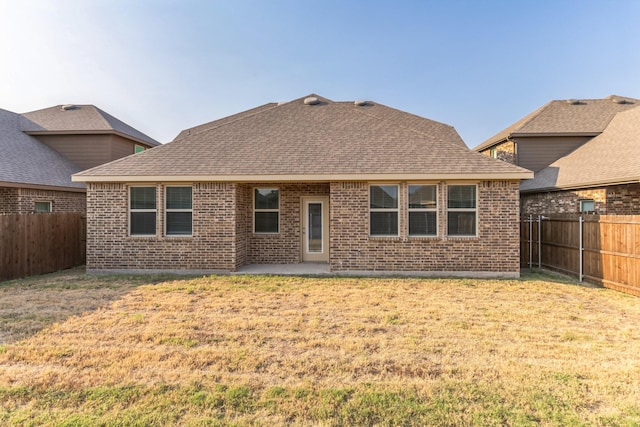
(179, 211)
(461, 210)
(423, 207)
(142, 211)
(266, 210)
(383, 210)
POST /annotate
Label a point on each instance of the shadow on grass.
(527, 274)
(29, 305)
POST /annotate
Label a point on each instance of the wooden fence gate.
(601, 249)
(40, 243)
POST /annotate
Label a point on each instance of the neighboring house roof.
(613, 157)
(81, 119)
(326, 141)
(25, 161)
(586, 117)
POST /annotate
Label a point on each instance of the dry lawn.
(77, 350)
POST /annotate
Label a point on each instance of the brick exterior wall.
(223, 235)
(495, 249)
(8, 200)
(505, 152)
(22, 200)
(212, 246)
(613, 200)
(286, 246)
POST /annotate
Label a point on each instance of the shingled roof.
(81, 119)
(586, 117)
(612, 157)
(26, 161)
(324, 140)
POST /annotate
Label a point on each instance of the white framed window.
(178, 211)
(142, 211)
(587, 205)
(462, 210)
(383, 210)
(423, 210)
(494, 153)
(266, 210)
(42, 207)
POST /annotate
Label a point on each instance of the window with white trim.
(42, 207)
(142, 211)
(423, 208)
(461, 210)
(587, 205)
(178, 211)
(383, 210)
(266, 210)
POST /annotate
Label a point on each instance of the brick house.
(357, 185)
(584, 154)
(40, 150)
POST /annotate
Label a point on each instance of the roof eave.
(92, 132)
(550, 134)
(582, 186)
(42, 187)
(518, 175)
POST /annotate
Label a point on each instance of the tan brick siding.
(223, 236)
(286, 246)
(212, 245)
(613, 200)
(22, 200)
(496, 249)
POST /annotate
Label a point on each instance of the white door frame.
(323, 254)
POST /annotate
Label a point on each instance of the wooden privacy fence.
(40, 243)
(601, 249)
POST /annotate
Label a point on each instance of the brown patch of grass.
(310, 350)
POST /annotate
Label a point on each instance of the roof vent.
(619, 100)
(312, 100)
(68, 107)
(573, 101)
(360, 103)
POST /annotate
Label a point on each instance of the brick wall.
(613, 200)
(223, 235)
(505, 151)
(496, 249)
(8, 200)
(22, 200)
(212, 245)
(286, 246)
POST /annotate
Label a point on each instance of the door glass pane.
(315, 227)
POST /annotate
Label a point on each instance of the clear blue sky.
(165, 65)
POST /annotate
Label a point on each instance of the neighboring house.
(583, 153)
(360, 186)
(40, 150)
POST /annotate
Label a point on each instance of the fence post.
(530, 241)
(580, 247)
